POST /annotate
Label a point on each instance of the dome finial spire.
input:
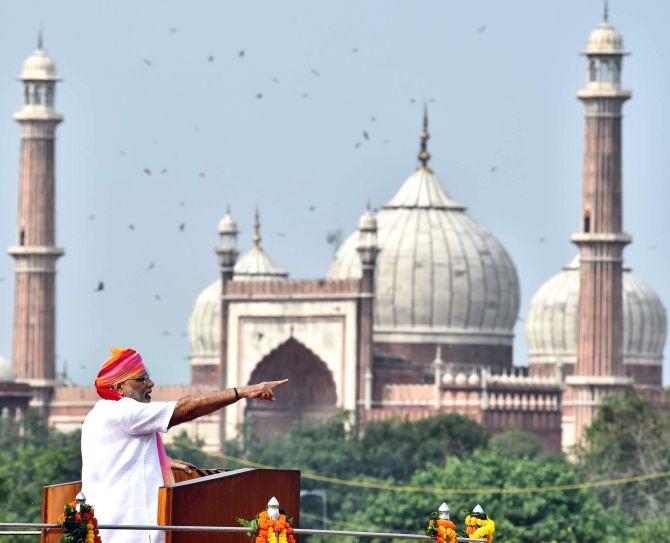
(424, 155)
(606, 12)
(39, 39)
(257, 229)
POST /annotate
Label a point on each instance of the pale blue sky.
(503, 96)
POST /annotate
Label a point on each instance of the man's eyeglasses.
(144, 379)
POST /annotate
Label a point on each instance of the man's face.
(138, 388)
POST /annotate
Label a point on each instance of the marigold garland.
(263, 529)
(443, 530)
(79, 524)
(480, 527)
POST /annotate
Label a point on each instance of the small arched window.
(50, 95)
(604, 70)
(22, 237)
(26, 95)
(38, 94)
(587, 222)
(593, 72)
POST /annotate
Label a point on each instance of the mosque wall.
(329, 328)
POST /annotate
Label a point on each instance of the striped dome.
(551, 324)
(439, 275)
(204, 326)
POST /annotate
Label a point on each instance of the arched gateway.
(309, 395)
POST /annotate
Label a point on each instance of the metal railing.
(225, 529)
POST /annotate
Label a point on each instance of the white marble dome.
(204, 326)
(551, 323)
(604, 40)
(39, 67)
(439, 276)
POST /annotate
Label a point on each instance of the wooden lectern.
(210, 500)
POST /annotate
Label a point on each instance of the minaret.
(227, 253)
(367, 252)
(599, 368)
(36, 253)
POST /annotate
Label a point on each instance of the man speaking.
(123, 458)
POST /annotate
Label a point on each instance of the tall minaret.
(36, 253)
(599, 369)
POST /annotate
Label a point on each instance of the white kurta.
(121, 472)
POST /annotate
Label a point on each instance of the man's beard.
(139, 396)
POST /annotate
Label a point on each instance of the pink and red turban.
(121, 365)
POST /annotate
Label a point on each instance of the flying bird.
(481, 29)
(164, 170)
(182, 226)
(157, 297)
(354, 50)
(241, 53)
(275, 80)
(166, 333)
(358, 144)
(173, 30)
(131, 226)
(202, 174)
(182, 204)
(366, 135)
(147, 171)
(304, 95)
(100, 287)
(210, 58)
(541, 240)
(259, 96)
(494, 169)
(91, 217)
(315, 72)
(373, 119)
(281, 234)
(312, 207)
(146, 61)
(151, 266)
(412, 100)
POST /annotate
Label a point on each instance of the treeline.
(628, 438)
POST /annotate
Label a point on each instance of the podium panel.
(201, 498)
(217, 500)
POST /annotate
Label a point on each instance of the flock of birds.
(334, 237)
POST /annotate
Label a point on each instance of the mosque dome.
(551, 323)
(204, 326)
(256, 265)
(6, 371)
(439, 277)
(604, 40)
(39, 66)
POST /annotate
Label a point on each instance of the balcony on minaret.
(604, 52)
(39, 88)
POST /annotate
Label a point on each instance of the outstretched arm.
(192, 407)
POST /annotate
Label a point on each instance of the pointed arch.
(309, 395)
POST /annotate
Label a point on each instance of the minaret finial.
(424, 155)
(39, 39)
(257, 229)
(606, 12)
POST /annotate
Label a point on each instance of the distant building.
(415, 316)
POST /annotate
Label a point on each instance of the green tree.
(31, 456)
(567, 516)
(517, 444)
(629, 437)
